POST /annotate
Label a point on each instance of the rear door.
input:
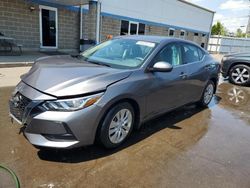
(197, 70)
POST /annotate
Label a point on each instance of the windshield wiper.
(98, 63)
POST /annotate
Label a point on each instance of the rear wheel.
(240, 75)
(207, 94)
(117, 125)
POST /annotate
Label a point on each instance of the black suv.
(237, 68)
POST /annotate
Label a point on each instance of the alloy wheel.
(209, 92)
(120, 126)
(240, 75)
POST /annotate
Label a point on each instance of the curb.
(15, 64)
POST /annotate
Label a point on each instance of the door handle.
(183, 75)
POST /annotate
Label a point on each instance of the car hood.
(62, 76)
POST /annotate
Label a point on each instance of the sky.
(231, 13)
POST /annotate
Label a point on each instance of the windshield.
(119, 53)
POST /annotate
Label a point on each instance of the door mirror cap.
(161, 66)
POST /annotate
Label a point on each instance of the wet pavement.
(189, 147)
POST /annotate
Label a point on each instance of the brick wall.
(68, 29)
(156, 30)
(17, 21)
(109, 26)
(89, 22)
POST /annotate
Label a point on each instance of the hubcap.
(240, 75)
(208, 95)
(120, 126)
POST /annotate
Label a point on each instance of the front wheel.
(117, 125)
(207, 94)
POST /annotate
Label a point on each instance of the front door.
(48, 27)
(169, 90)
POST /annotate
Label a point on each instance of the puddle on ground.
(189, 147)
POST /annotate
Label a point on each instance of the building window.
(171, 32)
(196, 34)
(124, 27)
(182, 34)
(141, 29)
(132, 28)
(203, 35)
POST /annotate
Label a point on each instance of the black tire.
(233, 71)
(202, 102)
(103, 135)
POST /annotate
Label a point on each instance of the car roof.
(242, 54)
(149, 38)
(155, 39)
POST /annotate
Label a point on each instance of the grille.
(18, 103)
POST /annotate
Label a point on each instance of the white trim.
(129, 26)
(81, 19)
(40, 22)
(98, 14)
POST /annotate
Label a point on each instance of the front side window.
(190, 53)
(170, 54)
(119, 53)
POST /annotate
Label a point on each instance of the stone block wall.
(19, 22)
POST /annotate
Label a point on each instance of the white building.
(59, 24)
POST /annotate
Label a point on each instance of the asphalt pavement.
(189, 147)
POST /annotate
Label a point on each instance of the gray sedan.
(109, 90)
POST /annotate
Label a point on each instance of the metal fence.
(224, 45)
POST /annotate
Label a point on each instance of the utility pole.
(248, 25)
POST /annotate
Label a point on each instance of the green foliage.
(218, 29)
(239, 33)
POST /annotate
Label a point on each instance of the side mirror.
(161, 66)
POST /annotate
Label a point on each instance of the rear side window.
(201, 54)
(190, 53)
(170, 54)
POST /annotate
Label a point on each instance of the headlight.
(72, 104)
